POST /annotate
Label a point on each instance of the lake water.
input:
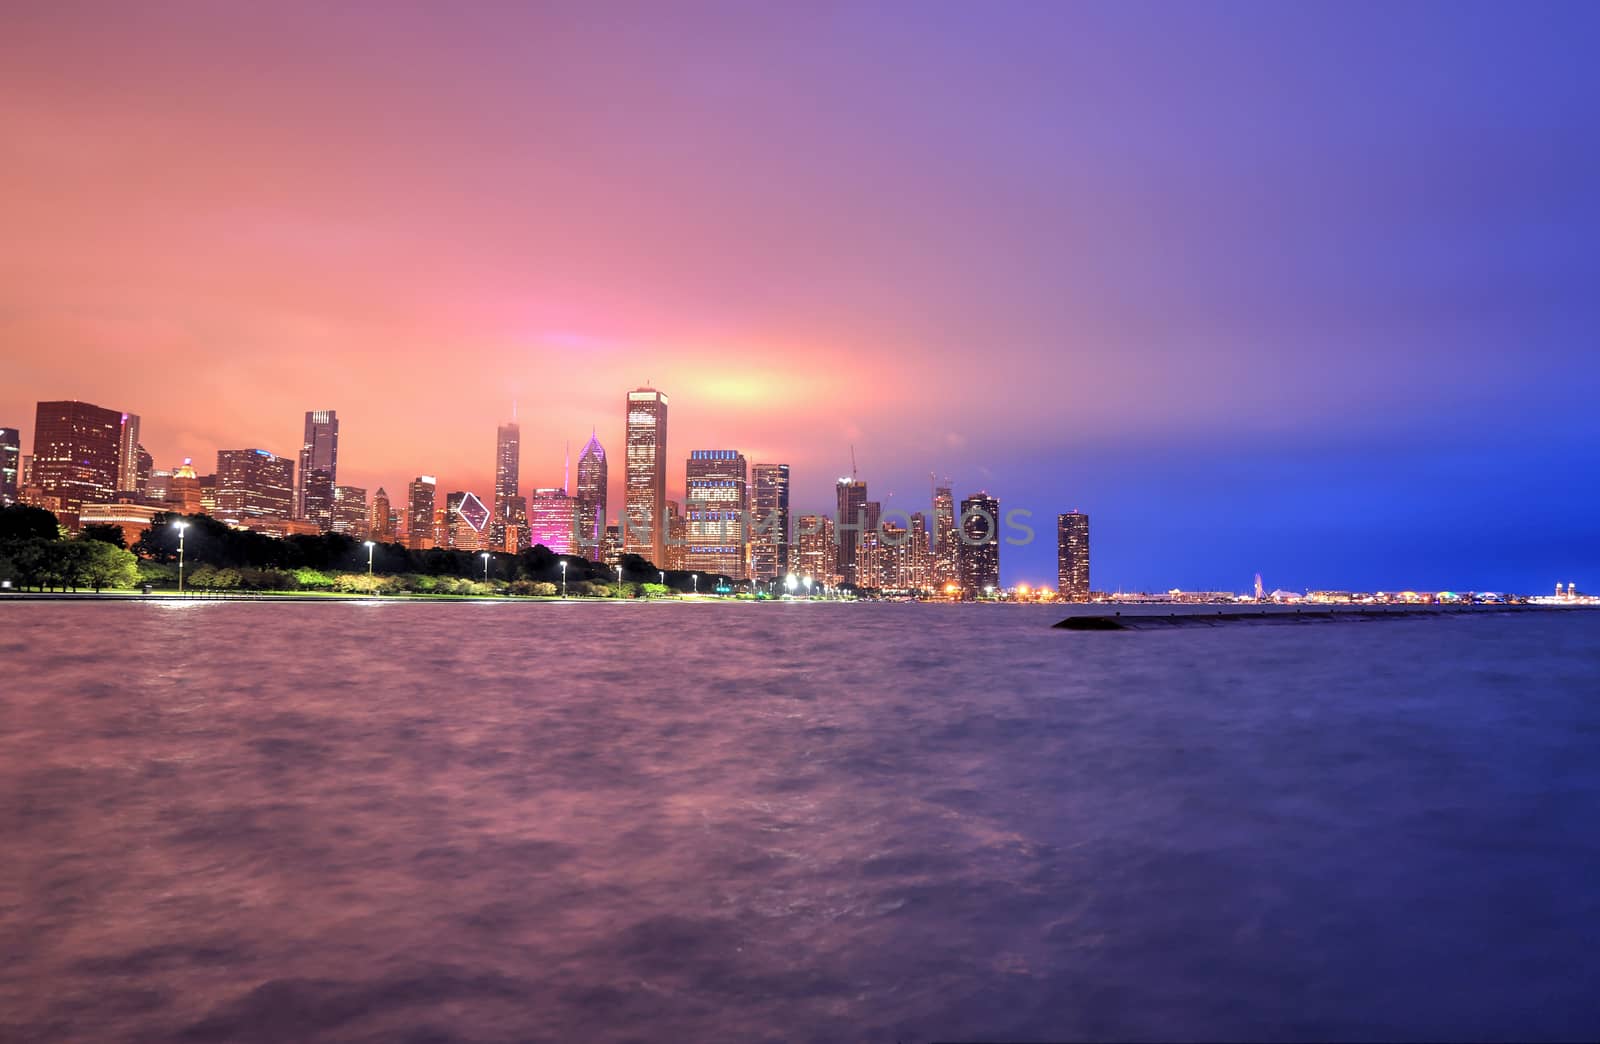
(496, 822)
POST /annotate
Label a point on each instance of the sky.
(1308, 290)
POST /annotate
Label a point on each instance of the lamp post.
(619, 579)
(370, 547)
(563, 578)
(808, 587)
(663, 577)
(791, 582)
(696, 579)
(181, 527)
(486, 557)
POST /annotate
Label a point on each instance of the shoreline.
(1147, 614)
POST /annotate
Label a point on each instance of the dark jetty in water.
(1278, 617)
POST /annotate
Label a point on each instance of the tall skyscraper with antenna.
(507, 474)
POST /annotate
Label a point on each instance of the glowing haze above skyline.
(1302, 289)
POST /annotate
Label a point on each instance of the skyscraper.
(644, 506)
(1072, 556)
(128, 454)
(815, 554)
(319, 468)
(252, 483)
(716, 487)
(381, 524)
(592, 478)
(350, 511)
(945, 540)
(145, 464)
(553, 520)
(769, 521)
(978, 551)
(75, 453)
(419, 513)
(507, 476)
(156, 484)
(677, 554)
(917, 569)
(517, 524)
(10, 465)
(851, 518)
(466, 521)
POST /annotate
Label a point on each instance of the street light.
(791, 582)
(663, 577)
(619, 579)
(486, 557)
(808, 587)
(989, 590)
(370, 547)
(563, 578)
(181, 527)
(696, 579)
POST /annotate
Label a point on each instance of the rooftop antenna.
(852, 462)
(566, 467)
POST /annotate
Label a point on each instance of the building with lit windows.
(592, 478)
(645, 500)
(466, 521)
(132, 519)
(946, 541)
(145, 464)
(184, 493)
(553, 520)
(517, 524)
(677, 550)
(850, 522)
(380, 521)
(815, 554)
(507, 477)
(319, 468)
(10, 465)
(128, 454)
(769, 521)
(156, 484)
(1072, 555)
(75, 454)
(979, 546)
(252, 483)
(419, 512)
(350, 511)
(716, 487)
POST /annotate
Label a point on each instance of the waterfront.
(501, 821)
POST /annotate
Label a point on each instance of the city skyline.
(556, 516)
(1240, 323)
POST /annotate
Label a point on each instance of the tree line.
(35, 552)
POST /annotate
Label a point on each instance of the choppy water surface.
(487, 822)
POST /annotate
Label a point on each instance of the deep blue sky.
(1308, 289)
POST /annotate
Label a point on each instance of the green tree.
(30, 559)
(106, 566)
